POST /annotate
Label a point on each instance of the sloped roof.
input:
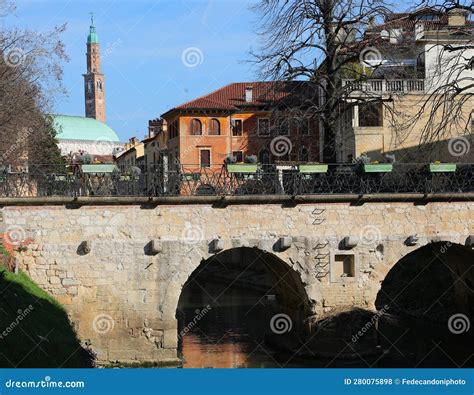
(70, 127)
(232, 96)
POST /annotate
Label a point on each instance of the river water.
(235, 338)
(244, 290)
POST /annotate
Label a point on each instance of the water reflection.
(244, 288)
(229, 337)
(228, 351)
(238, 338)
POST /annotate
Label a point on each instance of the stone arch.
(297, 303)
(432, 282)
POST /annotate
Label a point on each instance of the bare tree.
(349, 49)
(320, 41)
(30, 82)
(448, 103)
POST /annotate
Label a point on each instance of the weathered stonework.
(122, 297)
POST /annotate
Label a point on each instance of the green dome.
(80, 128)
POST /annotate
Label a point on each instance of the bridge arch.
(434, 282)
(258, 276)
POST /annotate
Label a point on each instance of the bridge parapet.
(240, 180)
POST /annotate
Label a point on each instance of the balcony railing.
(292, 180)
(381, 86)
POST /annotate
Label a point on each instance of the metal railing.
(218, 181)
(380, 85)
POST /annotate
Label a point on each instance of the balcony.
(382, 86)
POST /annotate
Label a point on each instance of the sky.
(156, 54)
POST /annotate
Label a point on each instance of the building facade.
(133, 154)
(408, 93)
(242, 122)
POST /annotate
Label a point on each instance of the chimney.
(419, 31)
(248, 94)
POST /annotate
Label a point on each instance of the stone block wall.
(122, 297)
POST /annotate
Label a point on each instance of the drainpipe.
(230, 134)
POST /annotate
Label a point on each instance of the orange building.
(242, 120)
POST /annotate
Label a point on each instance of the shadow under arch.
(433, 282)
(238, 291)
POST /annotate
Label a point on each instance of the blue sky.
(142, 45)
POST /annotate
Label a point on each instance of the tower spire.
(94, 79)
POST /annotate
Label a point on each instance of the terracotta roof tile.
(232, 96)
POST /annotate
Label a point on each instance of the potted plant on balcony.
(249, 166)
(438, 167)
(377, 167)
(310, 168)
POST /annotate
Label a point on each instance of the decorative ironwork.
(180, 180)
(379, 85)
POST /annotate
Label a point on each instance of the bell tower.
(94, 80)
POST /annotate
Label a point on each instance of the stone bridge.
(119, 265)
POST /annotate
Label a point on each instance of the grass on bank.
(34, 328)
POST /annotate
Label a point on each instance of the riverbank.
(34, 328)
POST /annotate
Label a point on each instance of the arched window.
(89, 86)
(304, 155)
(214, 127)
(196, 127)
(99, 85)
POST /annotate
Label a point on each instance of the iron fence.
(290, 180)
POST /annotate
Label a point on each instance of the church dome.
(81, 128)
